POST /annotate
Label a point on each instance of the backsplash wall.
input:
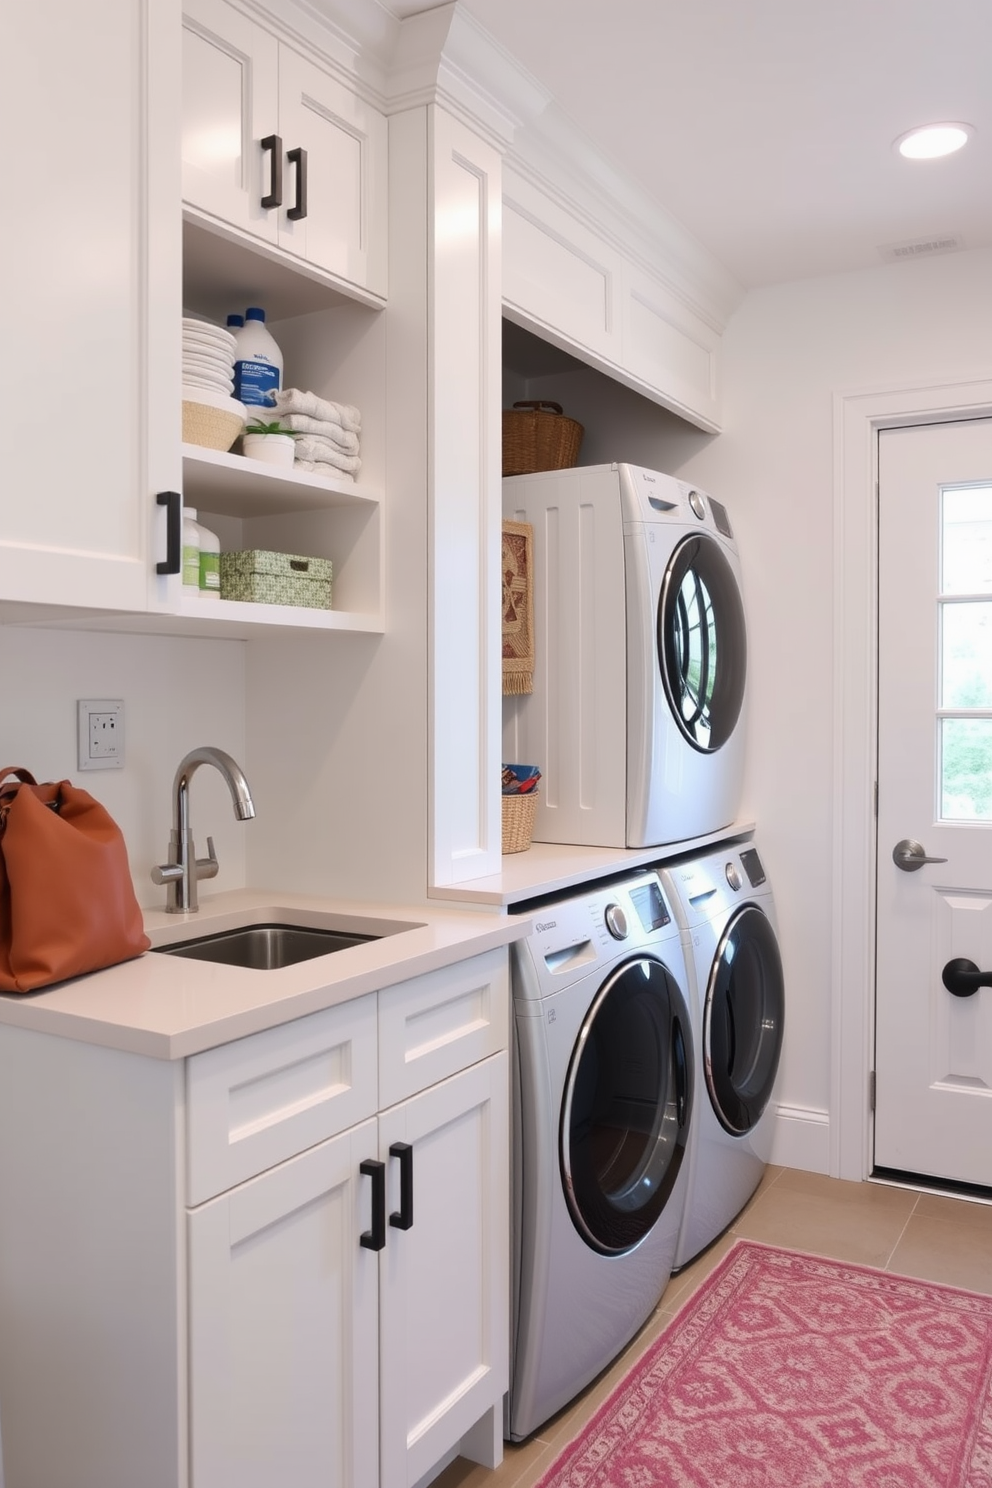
(178, 693)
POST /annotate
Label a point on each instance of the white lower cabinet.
(316, 1359)
(283, 1261)
(348, 1306)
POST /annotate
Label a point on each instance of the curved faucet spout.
(184, 868)
(232, 772)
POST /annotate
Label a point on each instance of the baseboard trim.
(801, 1138)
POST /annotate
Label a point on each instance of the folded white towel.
(325, 453)
(302, 423)
(295, 400)
(329, 472)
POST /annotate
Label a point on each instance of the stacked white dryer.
(637, 714)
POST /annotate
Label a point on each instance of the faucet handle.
(208, 867)
(167, 873)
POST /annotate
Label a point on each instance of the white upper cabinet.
(567, 282)
(277, 148)
(91, 317)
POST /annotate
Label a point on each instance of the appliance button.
(698, 505)
(616, 921)
(733, 877)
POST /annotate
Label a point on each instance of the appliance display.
(724, 905)
(603, 1077)
(637, 712)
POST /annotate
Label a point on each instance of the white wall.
(177, 694)
(787, 351)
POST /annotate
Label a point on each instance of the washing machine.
(636, 718)
(725, 908)
(603, 1084)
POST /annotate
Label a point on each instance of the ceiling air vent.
(922, 247)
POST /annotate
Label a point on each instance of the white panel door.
(230, 104)
(934, 1049)
(283, 1322)
(92, 272)
(444, 1308)
(335, 190)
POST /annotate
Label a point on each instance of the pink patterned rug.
(790, 1371)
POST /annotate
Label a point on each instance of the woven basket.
(538, 436)
(518, 821)
(211, 428)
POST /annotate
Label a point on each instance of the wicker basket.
(518, 821)
(211, 428)
(538, 436)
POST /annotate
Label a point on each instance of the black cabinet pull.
(274, 199)
(173, 503)
(404, 1219)
(375, 1238)
(962, 978)
(298, 158)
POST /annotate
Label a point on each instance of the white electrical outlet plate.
(100, 733)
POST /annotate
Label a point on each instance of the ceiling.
(766, 126)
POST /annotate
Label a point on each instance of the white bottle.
(257, 365)
(209, 564)
(191, 551)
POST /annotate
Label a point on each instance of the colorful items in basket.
(519, 806)
(520, 780)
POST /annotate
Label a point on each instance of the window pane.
(966, 769)
(966, 655)
(966, 521)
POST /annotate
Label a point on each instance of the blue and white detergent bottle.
(257, 364)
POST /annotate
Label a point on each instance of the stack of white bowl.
(211, 417)
(208, 356)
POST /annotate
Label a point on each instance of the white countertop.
(556, 868)
(170, 1006)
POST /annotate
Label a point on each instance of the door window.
(628, 1099)
(743, 1021)
(702, 644)
(964, 607)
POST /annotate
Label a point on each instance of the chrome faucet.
(184, 868)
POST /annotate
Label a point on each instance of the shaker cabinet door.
(283, 1319)
(335, 191)
(230, 105)
(89, 104)
(444, 1300)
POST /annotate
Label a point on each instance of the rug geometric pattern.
(792, 1371)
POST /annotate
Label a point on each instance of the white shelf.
(235, 486)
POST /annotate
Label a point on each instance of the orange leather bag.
(67, 903)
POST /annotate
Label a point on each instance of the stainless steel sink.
(265, 947)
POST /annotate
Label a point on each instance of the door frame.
(857, 418)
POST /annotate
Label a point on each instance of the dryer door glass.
(702, 642)
(628, 1098)
(743, 1020)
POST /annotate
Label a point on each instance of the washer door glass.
(743, 1021)
(702, 642)
(628, 1098)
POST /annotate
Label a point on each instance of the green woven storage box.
(276, 578)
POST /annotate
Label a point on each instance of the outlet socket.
(100, 733)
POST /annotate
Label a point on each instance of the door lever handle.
(909, 855)
(962, 978)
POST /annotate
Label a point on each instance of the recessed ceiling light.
(933, 140)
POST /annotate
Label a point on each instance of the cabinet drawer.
(264, 1098)
(435, 1025)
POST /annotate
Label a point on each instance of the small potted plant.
(268, 442)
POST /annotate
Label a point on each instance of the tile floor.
(916, 1234)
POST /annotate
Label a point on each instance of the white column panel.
(465, 502)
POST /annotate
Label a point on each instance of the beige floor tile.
(859, 1222)
(522, 1466)
(956, 1211)
(958, 1253)
(681, 1287)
